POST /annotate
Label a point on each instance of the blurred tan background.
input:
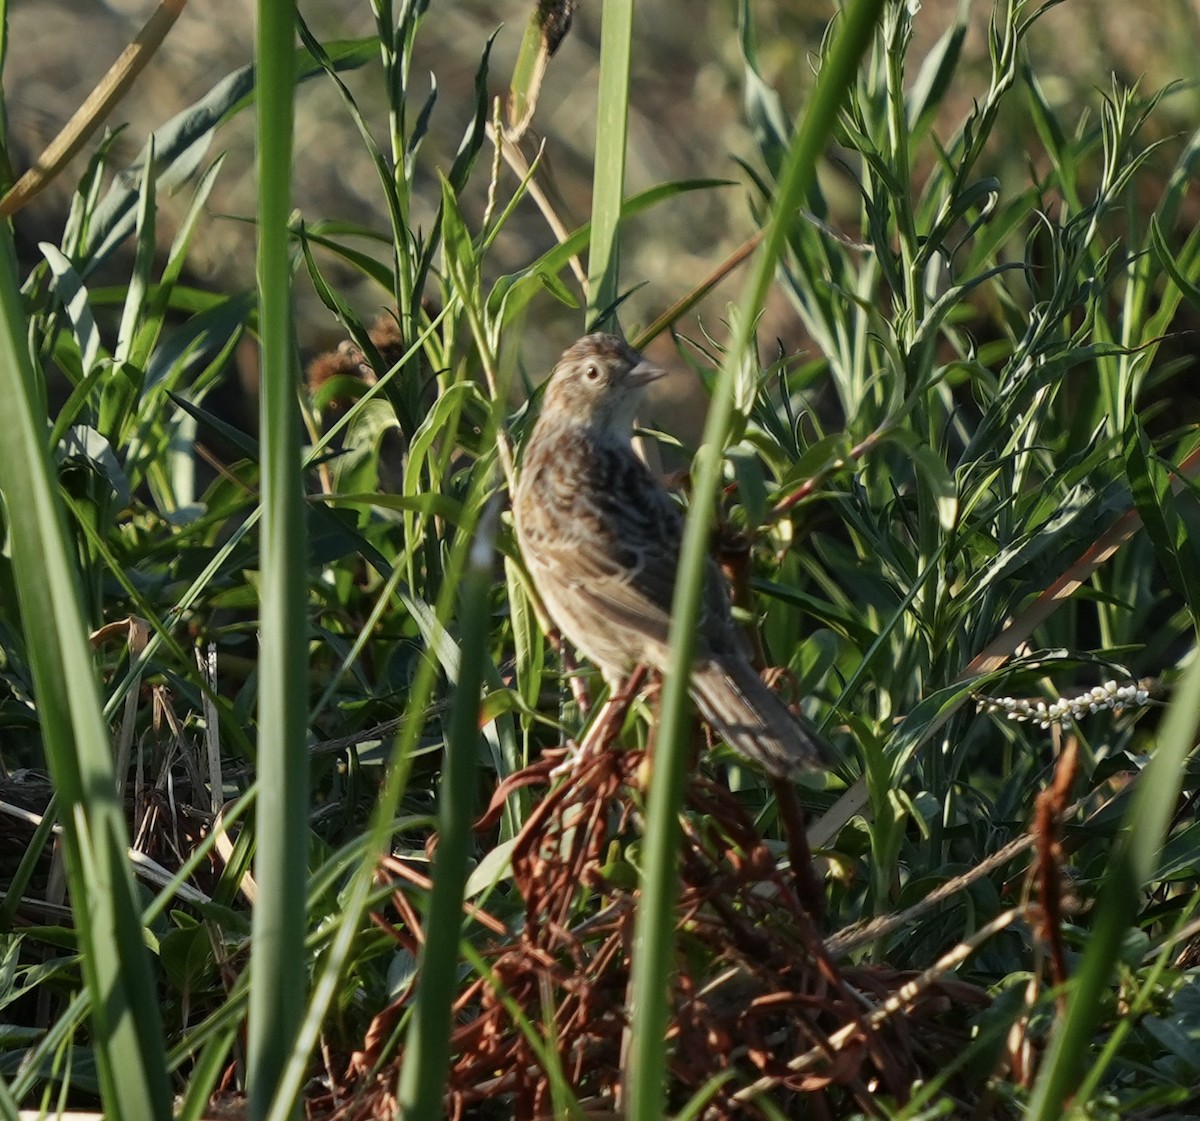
(687, 122)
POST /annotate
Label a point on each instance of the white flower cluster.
(1109, 695)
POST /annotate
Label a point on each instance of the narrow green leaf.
(1133, 862)
(764, 110)
(1186, 285)
(427, 1052)
(935, 475)
(654, 931)
(528, 640)
(1155, 502)
(608, 172)
(278, 962)
(124, 1007)
(70, 288)
(936, 72)
(472, 141)
(143, 262)
(363, 262)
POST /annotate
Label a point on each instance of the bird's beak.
(643, 374)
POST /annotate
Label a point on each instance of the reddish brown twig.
(753, 987)
(1048, 814)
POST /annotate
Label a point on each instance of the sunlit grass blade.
(427, 1049)
(1133, 863)
(124, 1007)
(279, 964)
(8, 1107)
(654, 939)
(608, 174)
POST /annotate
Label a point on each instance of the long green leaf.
(654, 939)
(124, 1008)
(427, 1056)
(608, 175)
(1168, 532)
(8, 1107)
(278, 963)
(1134, 861)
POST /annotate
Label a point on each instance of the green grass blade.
(654, 930)
(1133, 863)
(278, 959)
(125, 1016)
(143, 262)
(15, 887)
(8, 1107)
(1155, 500)
(427, 1054)
(608, 176)
(203, 1077)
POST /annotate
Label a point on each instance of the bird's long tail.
(753, 720)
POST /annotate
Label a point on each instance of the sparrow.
(601, 538)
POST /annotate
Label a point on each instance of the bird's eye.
(591, 372)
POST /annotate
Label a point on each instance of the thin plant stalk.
(427, 1053)
(1135, 858)
(128, 1034)
(427, 1045)
(608, 177)
(654, 932)
(278, 970)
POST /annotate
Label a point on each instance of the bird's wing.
(611, 544)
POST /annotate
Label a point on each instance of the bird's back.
(601, 538)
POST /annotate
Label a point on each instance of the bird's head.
(599, 382)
